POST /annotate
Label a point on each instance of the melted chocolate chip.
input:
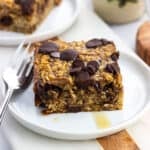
(75, 71)
(69, 54)
(6, 20)
(112, 68)
(48, 87)
(42, 90)
(48, 48)
(91, 70)
(83, 76)
(105, 42)
(26, 6)
(115, 56)
(39, 88)
(93, 43)
(51, 92)
(55, 54)
(92, 67)
(93, 63)
(74, 108)
(42, 105)
(78, 63)
(108, 86)
(83, 80)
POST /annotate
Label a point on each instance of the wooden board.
(118, 141)
(143, 42)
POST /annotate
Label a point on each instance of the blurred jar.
(119, 11)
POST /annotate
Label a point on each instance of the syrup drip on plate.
(101, 120)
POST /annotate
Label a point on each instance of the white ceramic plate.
(82, 125)
(59, 19)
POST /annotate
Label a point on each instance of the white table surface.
(21, 138)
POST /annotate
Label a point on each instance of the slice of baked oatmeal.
(77, 76)
(24, 15)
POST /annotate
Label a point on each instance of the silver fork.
(17, 74)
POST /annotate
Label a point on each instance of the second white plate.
(79, 126)
(59, 19)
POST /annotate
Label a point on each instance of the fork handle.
(5, 104)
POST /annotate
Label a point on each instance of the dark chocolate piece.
(75, 71)
(69, 54)
(115, 56)
(92, 67)
(112, 68)
(78, 63)
(26, 6)
(93, 43)
(48, 48)
(42, 105)
(74, 108)
(83, 80)
(6, 20)
(105, 42)
(108, 86)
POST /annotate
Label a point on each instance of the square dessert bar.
(77, 76)
(24, 15)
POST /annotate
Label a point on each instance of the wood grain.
(143, 42)
(118, 141)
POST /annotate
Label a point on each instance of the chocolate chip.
(91, 70)
(83, 80)
(17, 1)
(38, 100)
(75, 71)
(69, 54)
(48, 87)
(92, 67)
(42, 90)
(112, 68)
(53, 89)
(74, 108)
(78, 63)
(108, 86)
(42, 105)
(48, 48)
(55, 54)
(93, 43)
(93, 63)
(83, 76)
(115, 56)
(6, 20)
(105, 42)
(26, 6)
(39, 88)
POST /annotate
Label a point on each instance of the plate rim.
(91, 134)
(5, 41)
